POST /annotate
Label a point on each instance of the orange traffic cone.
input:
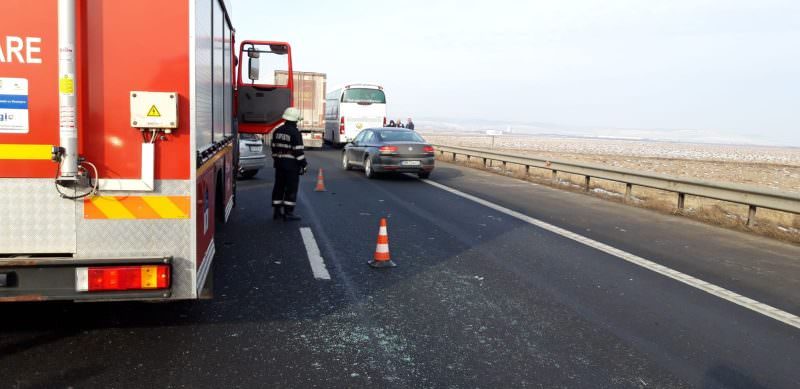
(382, 258)
(320, 182)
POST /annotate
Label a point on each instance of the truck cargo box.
(309, 97)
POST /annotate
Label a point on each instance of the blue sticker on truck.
(14, 105)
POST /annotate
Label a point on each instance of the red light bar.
(118, 278)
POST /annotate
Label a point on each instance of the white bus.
(350, 109)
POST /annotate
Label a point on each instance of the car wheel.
(249, 173)
(368, 168)
(424, 175)
(346, 162)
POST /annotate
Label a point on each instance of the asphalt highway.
(479, 299)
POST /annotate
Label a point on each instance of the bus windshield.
(363, 95)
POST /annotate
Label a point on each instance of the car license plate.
(410, 163)
(255, 149)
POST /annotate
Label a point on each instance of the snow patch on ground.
(606, 192)
(790, 230)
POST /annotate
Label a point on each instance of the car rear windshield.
(364, 95)
(400, 136)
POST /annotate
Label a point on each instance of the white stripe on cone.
(383, 232)
(382, 248)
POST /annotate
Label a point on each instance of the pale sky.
(729, 66)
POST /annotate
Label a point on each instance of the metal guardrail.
(752, 196)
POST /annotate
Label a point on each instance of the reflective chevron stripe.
(137, 207)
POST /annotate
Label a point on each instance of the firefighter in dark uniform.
(290, 163)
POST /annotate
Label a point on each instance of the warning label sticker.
(66, 85)
(13, 105)
(153, 112)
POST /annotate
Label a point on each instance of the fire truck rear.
(118, 121)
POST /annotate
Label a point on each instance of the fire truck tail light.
(118, 278)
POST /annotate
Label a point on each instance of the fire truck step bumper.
(50, 279)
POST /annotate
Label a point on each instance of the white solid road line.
(314, 256)
(715, 290)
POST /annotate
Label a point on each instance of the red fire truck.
(118, 131)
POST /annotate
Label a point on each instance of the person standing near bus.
(391, 124)
(410, 124)
(290, 162)
(400, 124)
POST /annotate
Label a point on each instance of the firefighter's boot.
(277, 213)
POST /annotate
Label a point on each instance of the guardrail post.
(441, 153)
(555, 176)
(454, 157)
(527, 170)
(504, 166)
(484, 162)
(587, 183)
(628, 190)
(468, 158)
(751, 215)
(681, 200)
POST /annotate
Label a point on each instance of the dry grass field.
(767, 167)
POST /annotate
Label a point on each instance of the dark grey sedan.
(379, 150)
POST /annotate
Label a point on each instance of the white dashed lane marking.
(314, 256)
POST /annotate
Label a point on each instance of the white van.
(350, 109)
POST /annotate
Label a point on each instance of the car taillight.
(341, 126)
(428, 150)
(388, 149)
(116, 278)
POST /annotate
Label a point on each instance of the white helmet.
(292, 114)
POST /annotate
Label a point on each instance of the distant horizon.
(566, 130)
(610, 138)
